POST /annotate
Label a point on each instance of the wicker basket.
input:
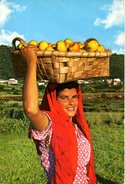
(62, 67)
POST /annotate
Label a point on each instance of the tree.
(117, 66)
(6, 68)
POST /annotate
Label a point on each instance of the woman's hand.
(29, 53)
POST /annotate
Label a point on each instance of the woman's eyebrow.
(63, 96)
(67, 96)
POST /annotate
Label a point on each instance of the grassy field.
(108, 145)
(19, 163)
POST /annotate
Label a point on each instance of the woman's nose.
(70, 101)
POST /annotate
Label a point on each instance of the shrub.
(105, 118)
(16, 114)
(117, 118)
(1, 87)
(93, 118)
(13, 125)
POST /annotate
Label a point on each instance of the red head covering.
(64, 141)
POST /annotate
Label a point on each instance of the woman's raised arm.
(30, 92)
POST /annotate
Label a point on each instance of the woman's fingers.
(29, 53)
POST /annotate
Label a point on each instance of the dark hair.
(68, 85)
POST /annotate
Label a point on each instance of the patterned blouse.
(47, 158)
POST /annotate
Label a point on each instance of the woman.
(58, 128)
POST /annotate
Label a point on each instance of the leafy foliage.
(117, 66)
(6, 68)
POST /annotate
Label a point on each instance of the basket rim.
(74, 54)
(47, 53)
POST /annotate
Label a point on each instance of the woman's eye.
(63, 97)
(75, 97)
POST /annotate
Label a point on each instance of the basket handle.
(18, 39)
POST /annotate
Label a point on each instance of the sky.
(54, 20)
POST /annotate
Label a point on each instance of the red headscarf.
(64, 141)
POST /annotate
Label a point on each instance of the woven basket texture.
(62, 67)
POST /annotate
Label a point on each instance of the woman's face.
(68, 99)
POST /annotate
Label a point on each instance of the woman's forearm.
(30, 93)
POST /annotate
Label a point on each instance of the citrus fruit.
(33, 42)
(68, 41)
(61, 46)
(49, 48)
(20, 46)
(91, 44)
(43, 45)
(101, 48)
(74, 47)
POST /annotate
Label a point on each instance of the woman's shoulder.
(41, 135)
(48, 114)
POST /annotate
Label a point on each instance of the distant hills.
(6, 68)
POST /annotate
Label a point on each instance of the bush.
(13, 125)
(105, 118)
(1, 87)
(94, 119)
(117, 118)
(16, 114)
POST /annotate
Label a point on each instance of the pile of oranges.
(90, 45)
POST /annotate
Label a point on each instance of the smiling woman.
(58, 128)
(68, 98)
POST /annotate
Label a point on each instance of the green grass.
(108, 142)
(19, 163)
